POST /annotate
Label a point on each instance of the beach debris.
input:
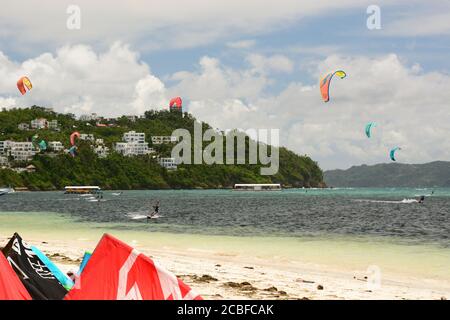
(271, 289)
(251, 268)
(443, 298)
(320, 287)
(218, 265)
(203, 278)
(304, 281)
(243, 286)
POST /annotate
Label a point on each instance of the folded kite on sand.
(10, 286)
(116, 271)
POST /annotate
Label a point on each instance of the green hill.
(433, 174)
(140, 172)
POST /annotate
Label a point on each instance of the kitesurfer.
(421, 199)
(155, 210)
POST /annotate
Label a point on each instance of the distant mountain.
(433, 174)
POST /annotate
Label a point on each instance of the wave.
(405, 201)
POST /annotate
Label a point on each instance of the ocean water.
(383, 214)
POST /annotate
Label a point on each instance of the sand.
(227, 274)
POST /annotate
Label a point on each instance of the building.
(22, 151)
(132, 118)
(133, 136)
(132, 148)
(53, 125)
(23, 126)
(31, 168)
(101, 151)
(39, 123)
(87, 137)
(5, 146)
(164, 139)
(99, 141)
(55, 146)
(89, 117)
(168, 163)
(4, 161)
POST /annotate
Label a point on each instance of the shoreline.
(227, 267)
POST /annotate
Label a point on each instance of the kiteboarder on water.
(421, 199)
(155, 210)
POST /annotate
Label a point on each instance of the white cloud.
(242, 44)
(275, 63)
(409, 105)
(149, 25)
(77, 79)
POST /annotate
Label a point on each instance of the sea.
(339, 225)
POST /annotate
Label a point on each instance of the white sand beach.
(258, 268)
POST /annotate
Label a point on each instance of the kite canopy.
(73, 150)
(392, 153)
(118, 272)
(23, 84)
(369, 127)
(42, 145)
(176, 103)
(86, 257)
(74, 135)
(10, 286)
(325, 84)
(37, 278)
(62, 277)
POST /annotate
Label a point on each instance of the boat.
(82, 189)
(257, 187)
(6, 191)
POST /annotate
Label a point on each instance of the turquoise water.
(390, 214)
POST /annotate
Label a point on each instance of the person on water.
(155, 210)
(421, 199)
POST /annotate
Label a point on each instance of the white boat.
(257, 187)
(6, 190)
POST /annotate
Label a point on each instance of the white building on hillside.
(53, 124)
(164, 139)
(101, 151)
(23, 126)
(132, 148)
(5, 146)
(89, 117)
(39, 123)
(133, 136)
(56, 146)
(168, 163)
(22, 151)
(87, 137)
(4, 161)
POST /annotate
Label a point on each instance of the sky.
(245, 64)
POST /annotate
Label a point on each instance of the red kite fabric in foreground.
(11, 288)
(118, 272)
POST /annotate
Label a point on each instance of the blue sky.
(255, 65)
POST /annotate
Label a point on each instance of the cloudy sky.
(245, 64)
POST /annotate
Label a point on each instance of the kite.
(392, 153)
(369, 127)
(325, 84)
(23, 84)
